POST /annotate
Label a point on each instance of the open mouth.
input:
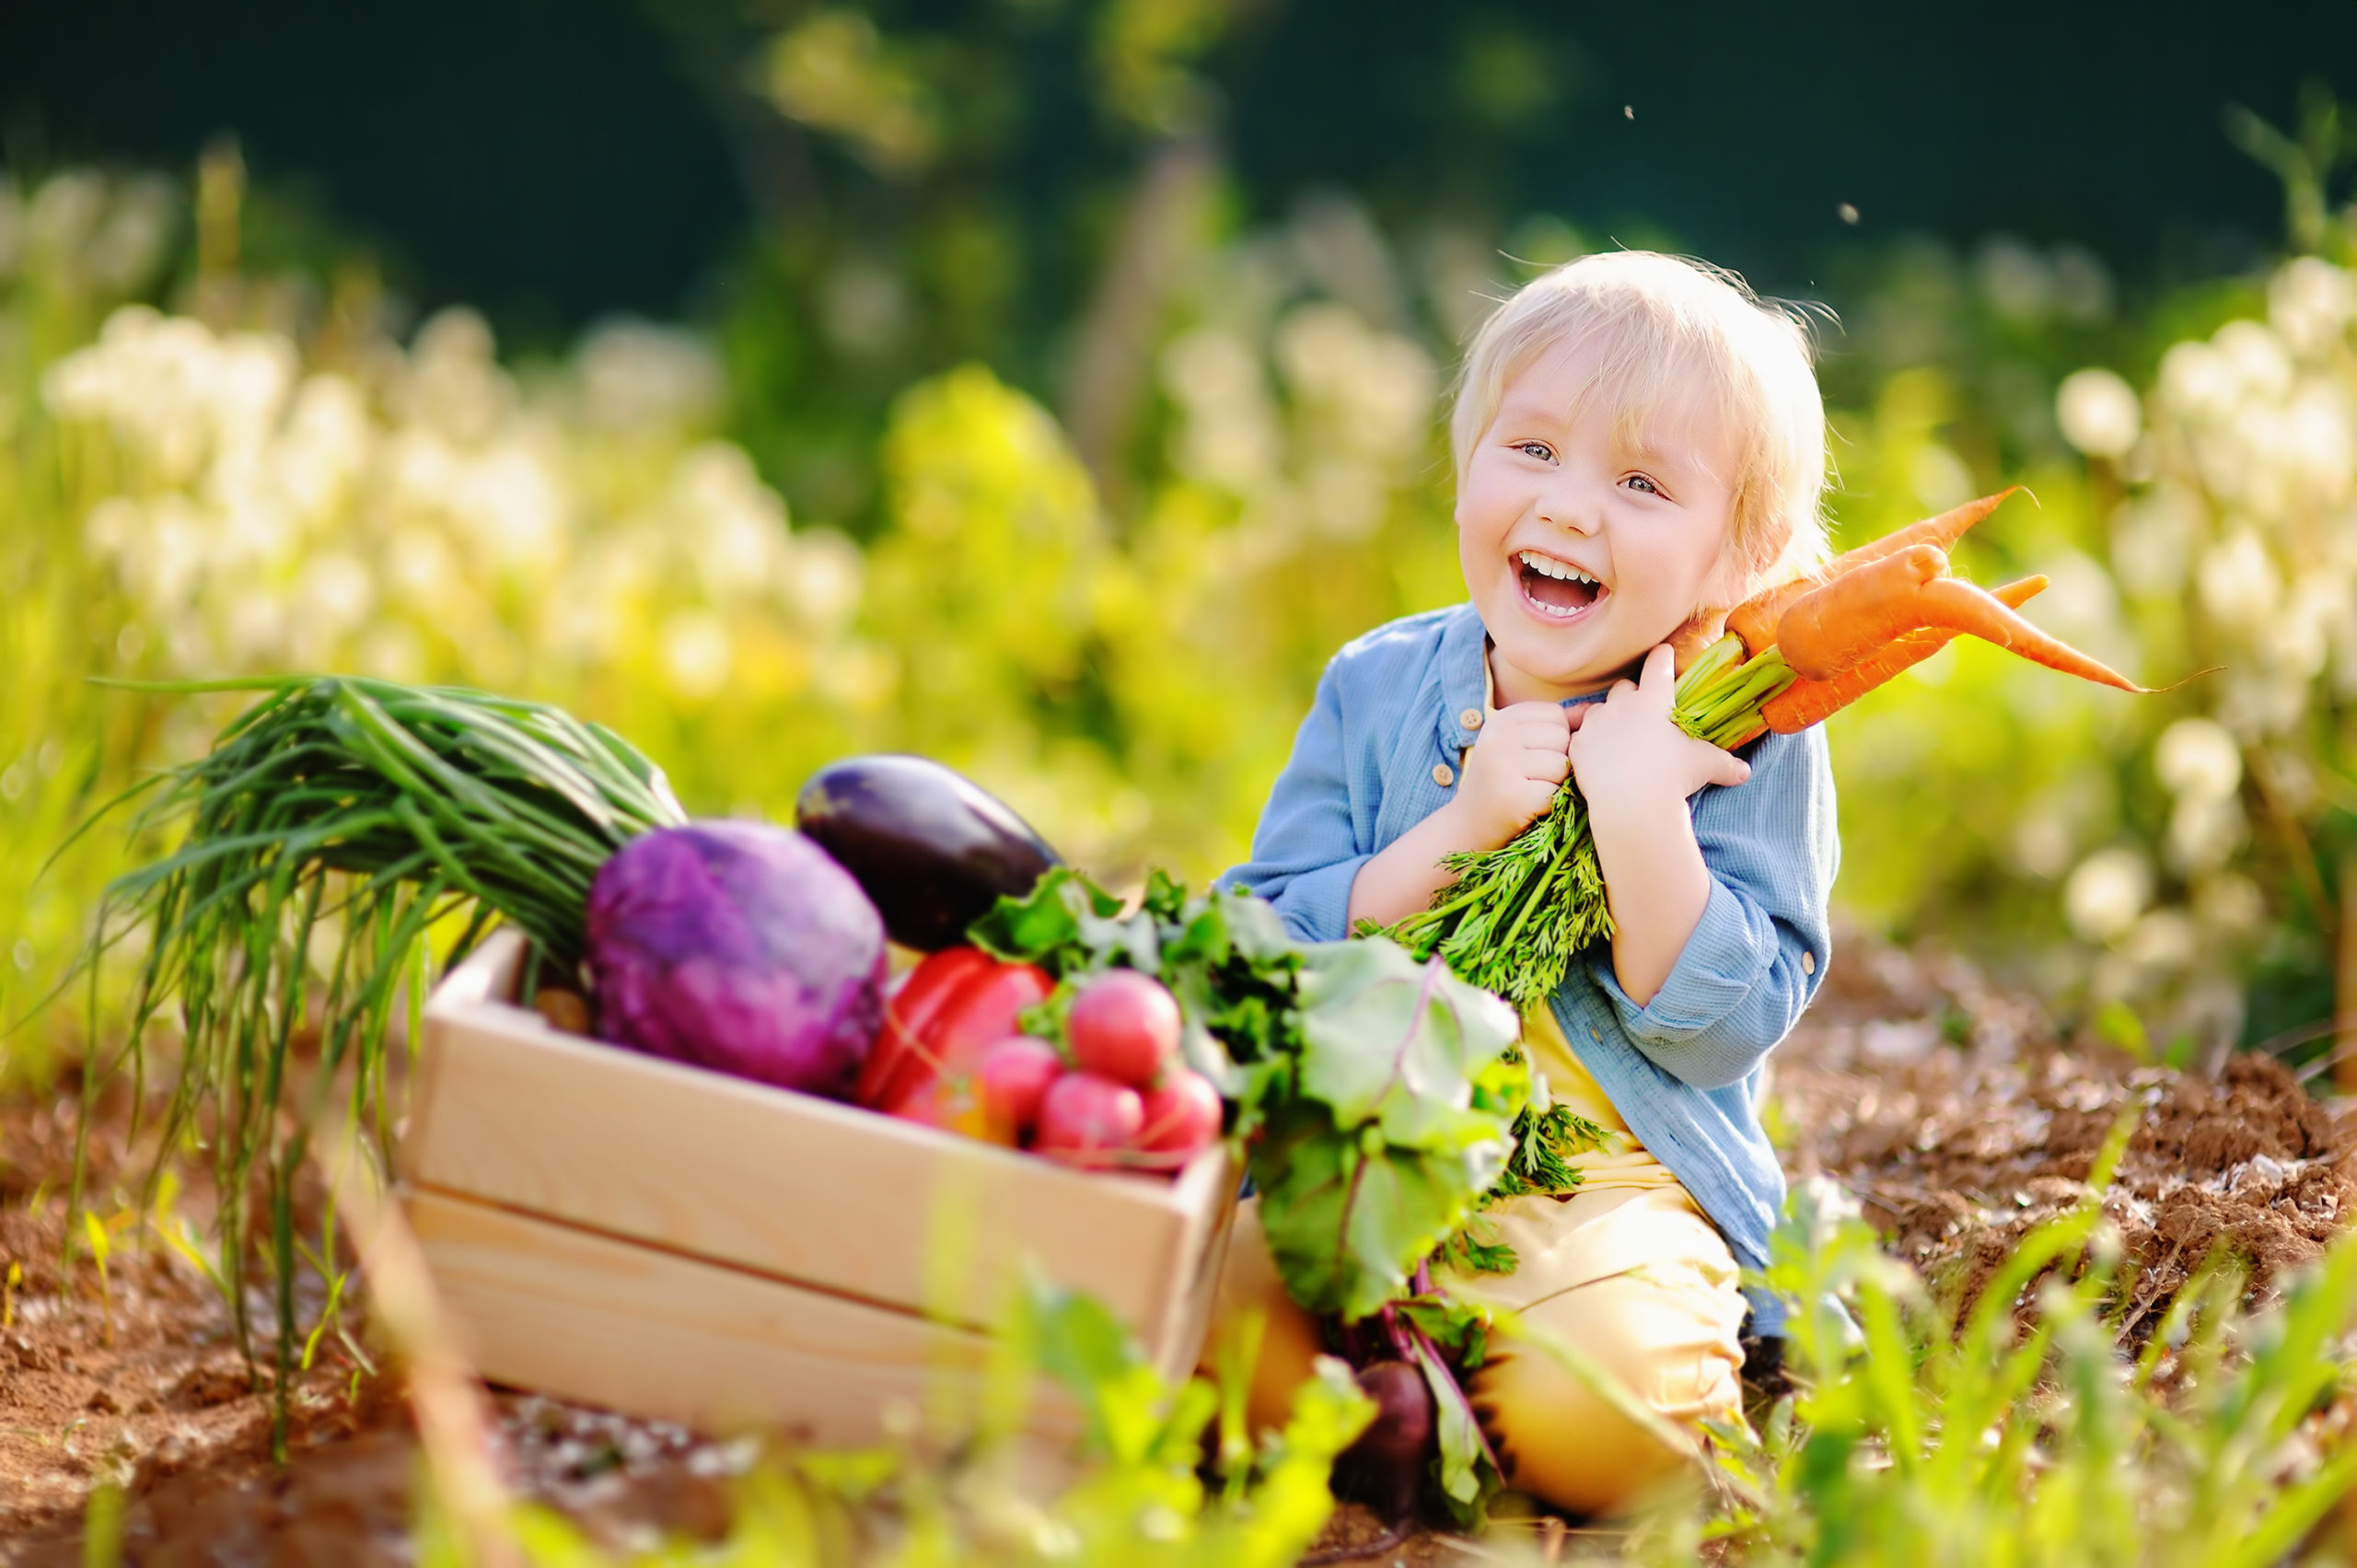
(1556, 588)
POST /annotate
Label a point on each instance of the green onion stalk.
(1513, 918)
(335, 827)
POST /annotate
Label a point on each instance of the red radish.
(1181, 1116)
(1015, 1075)
(1124, 1025)
(1088, 1120)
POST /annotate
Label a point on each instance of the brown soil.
(1947, 1105)
(1961, 1122)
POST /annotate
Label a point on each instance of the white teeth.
(1548, 566)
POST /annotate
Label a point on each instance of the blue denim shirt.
(1686, 1070)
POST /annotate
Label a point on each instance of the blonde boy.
(1637, 440)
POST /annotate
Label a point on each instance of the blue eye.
(1538, 450)
(1647, 485)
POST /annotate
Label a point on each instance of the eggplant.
(930, 848)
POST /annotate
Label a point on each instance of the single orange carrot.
(1958, 606)
(1806, 702)
(1943, 531)
(1755, 619)
(1857, 614)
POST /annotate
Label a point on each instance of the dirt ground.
(1946, 1105)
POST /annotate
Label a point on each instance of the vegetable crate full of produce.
(632, 1232)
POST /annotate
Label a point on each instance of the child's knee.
(1672, 1354)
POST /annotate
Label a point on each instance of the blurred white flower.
(2238, 580)
(2204, 831)
(510, 506)
(2311, 303)
(696, 653)
(2229, 904)
(2098, 412)
(824, 574)
(2165, 939)
(255, 632)
(2107, 892)
(325, 444)
(2199, 383)
(2317, 447)
(2197, 759)
(453, 385)
(2260, 362)
(335, 590)
(636, 375)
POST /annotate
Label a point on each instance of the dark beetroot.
(930, 848)
(1385, 1468)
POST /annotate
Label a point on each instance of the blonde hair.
(1667, 328)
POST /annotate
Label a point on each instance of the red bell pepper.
(958, 1002)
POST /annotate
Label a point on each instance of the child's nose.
(1567, 504)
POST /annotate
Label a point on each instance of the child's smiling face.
(1584, 546)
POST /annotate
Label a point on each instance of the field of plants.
(2064, 1245)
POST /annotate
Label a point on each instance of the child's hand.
(1628, 751)
(1510, 775)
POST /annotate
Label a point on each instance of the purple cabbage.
(740, 947)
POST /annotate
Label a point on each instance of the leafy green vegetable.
(1404, 1102)
(1470, 1473)
(1378, 1093)
(335, 822)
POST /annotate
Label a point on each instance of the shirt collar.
(1467, 689)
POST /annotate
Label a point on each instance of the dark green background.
(551, 159)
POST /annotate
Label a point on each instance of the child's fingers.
(1657, 683)
(1550, 764)
(1722, 768)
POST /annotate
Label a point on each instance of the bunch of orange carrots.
(1512, 917)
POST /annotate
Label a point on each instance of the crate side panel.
(786, 1184)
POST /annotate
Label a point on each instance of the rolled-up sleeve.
(1306, 853)
(1771, 845)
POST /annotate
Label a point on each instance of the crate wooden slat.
(583, 1316)
(567, 1190)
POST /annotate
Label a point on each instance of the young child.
(1637, 440)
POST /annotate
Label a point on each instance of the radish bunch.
(1122, 1098)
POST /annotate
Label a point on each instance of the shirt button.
(1443, 775)
(1808, 963)
(1470, 718)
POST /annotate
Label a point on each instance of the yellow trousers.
(1625, 1269)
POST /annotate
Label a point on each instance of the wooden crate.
(634, 1233)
